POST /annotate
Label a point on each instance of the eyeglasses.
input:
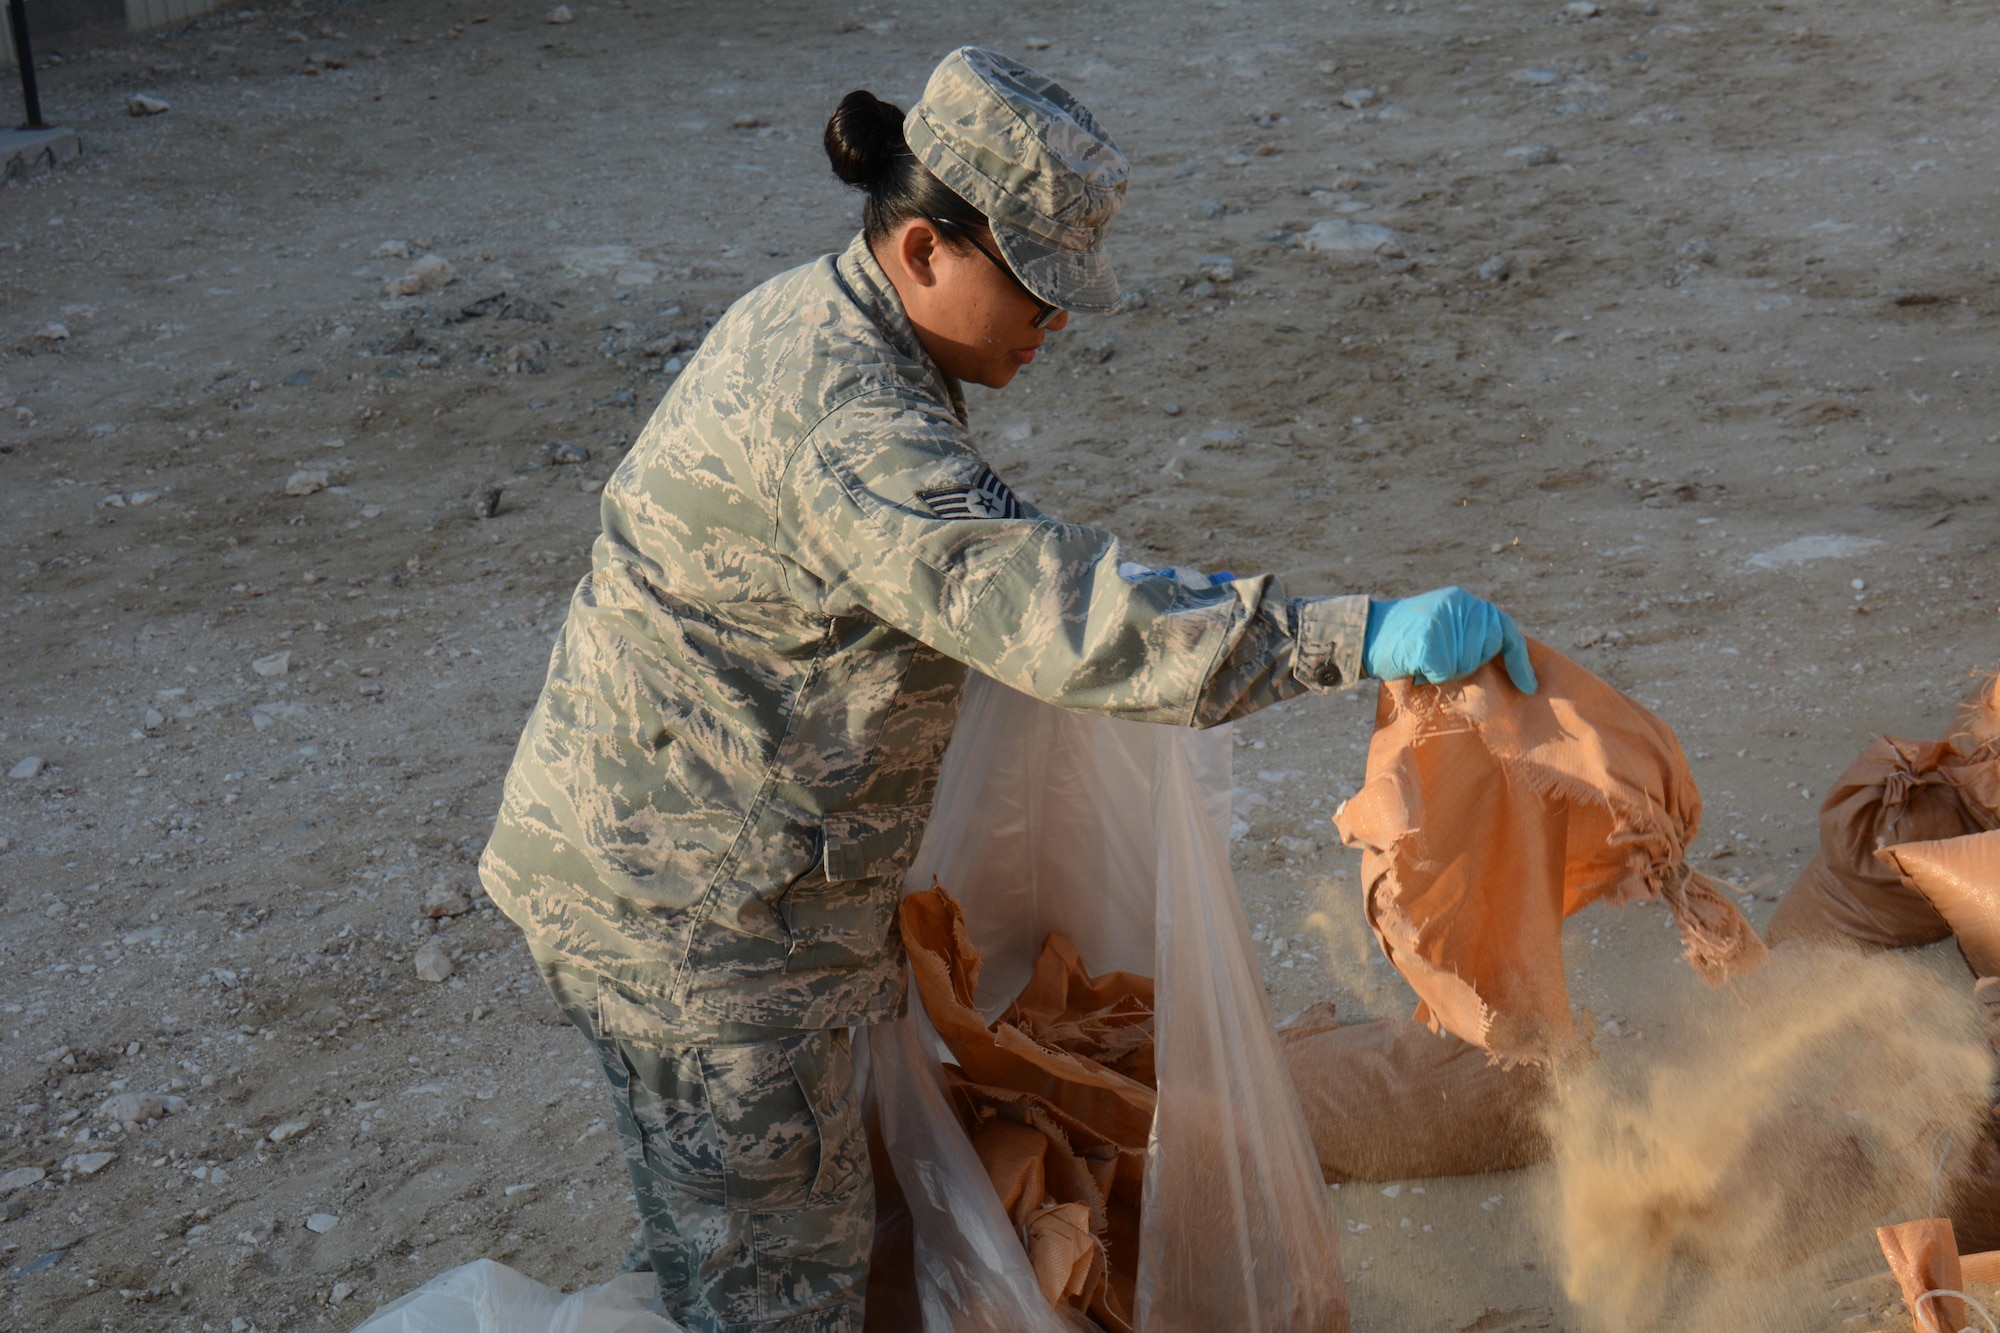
(1044, 312)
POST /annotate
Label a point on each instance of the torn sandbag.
(945, 966)
(1898, 791)
(1960, 879)
(1923, 1258)
(1392, 1100)
(1490, 815)
(1054, 1124)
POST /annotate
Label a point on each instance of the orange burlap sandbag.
(1960, 879)
(1923, 1257)
(1049, 1097)
(1393, 1100)
(1489, 816)
(1896, 792)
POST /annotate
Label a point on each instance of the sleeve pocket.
(868, 844)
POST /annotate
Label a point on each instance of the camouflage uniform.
(734, 755)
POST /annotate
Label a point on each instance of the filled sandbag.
(1898, 791)
(1392, 1100)
(1960, 879)
(1489, 815)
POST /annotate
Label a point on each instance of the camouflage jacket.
(734, 755)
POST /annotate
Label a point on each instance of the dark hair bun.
(864, 136)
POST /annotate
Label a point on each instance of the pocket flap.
(867, 844)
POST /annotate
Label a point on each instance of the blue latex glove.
(1441, 636)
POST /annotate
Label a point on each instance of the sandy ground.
(1747, 295)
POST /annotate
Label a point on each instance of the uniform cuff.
(1327, 648)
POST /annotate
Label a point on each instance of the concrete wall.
(56, 24)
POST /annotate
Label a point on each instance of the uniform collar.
(865, 277)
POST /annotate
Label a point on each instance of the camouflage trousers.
(750, 1165)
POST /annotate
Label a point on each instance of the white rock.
(560, 14)
(52, 333)
(154, 719)
(597, 261)
(432, 963)
(1217, 268)
(133, 1108)
(144, 104)
(341, 1291)
(273, 664)
(639, 273)
(1535, 154)
(89, 1163)
(1583, 9)
(444, 900)
(392, 250)
(290, 1129)
(26, 768)
(306, 481)
(1350, 240)
(426, 275)
(321, 1223)
(1819, 547)
(21, 1177)
(1496, 269)
(140, 499)
(1038, 43)
(1356, 98)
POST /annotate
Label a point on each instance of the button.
(1328, 675)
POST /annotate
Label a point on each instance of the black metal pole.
(17, 23)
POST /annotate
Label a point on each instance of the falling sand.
(1728, 1169)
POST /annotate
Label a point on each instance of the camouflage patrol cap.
(1015, 145)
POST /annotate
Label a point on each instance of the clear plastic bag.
(1113, 834)
(488, 1297)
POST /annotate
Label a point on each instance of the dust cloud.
(1730, 1166)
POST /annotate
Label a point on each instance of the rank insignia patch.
(985, 497)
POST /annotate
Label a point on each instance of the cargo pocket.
(824, 1067)
(765, 1122)
(823, 1245)
(667, 1098)
(839, 915)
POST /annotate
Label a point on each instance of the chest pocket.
(839, 914)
